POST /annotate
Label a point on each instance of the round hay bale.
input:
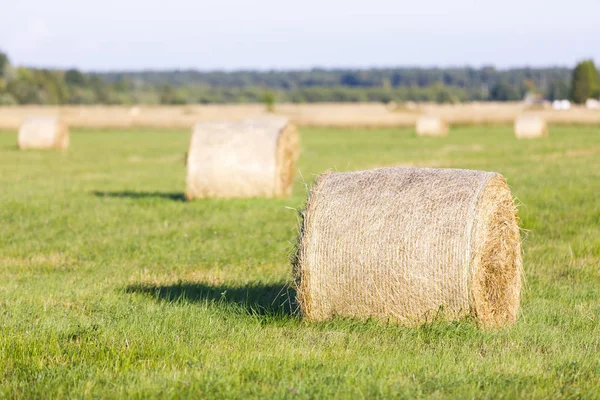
(530, 127)
(410, 245)
(255, 157)
(135, 111)
(410, 105)
(428, 125)
(592, 104)
(43, 133)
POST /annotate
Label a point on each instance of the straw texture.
(43, 133)
(410, 245)
(251, 158)
(428, 125)
(530, 126)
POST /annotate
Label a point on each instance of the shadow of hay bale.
(141, 195)
(256, 299)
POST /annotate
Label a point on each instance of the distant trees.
(585, 82)
(350, 79)
(269, 100)
(6, 98)
(558, 90)
(347, 85)
(442, 85)
(74, 78)
(4, 63)
(168, 95)
(504, 91)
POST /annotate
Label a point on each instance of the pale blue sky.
(234, 34)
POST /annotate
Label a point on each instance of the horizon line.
(297, 69)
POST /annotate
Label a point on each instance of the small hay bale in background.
(410, 105)
(592, 104)
(530, 126)
(255, 157)
(429, 125)
(135, 111)
(43, 133)
(410, 245)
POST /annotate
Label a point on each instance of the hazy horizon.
(118, 36)
(233, 70)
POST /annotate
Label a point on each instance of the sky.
(278, 34)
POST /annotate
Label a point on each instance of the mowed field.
(111, 285)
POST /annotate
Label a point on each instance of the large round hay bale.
(43, 133)
(429, 125)
(410, 245)
(530, 126)
(255, 157)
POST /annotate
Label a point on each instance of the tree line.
(22, 85)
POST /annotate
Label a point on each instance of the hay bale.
(255, 157)
(135, 111)
(592, 104)
(43, 133)
(428, 125)
(410, 245)
(530, 126)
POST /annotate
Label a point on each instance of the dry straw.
(530, 126)
(43, 133)
(410, 245)
(255, 157)
(428, 125)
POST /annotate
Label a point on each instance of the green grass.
(112, 286)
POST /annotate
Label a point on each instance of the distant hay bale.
(135, 111)
(410, 245)
(410, 105)
(592, 104)
(428, 125)
(43, 133)
(530, 126)
(255, 157)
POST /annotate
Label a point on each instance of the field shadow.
(10, 147)
(257, 299)
(141, 195)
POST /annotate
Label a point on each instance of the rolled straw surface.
(43, 133)
(410, 245)
(530, 127)
(428, 125)
(251, 158)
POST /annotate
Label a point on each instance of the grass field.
(112, 286)
(347, 115)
